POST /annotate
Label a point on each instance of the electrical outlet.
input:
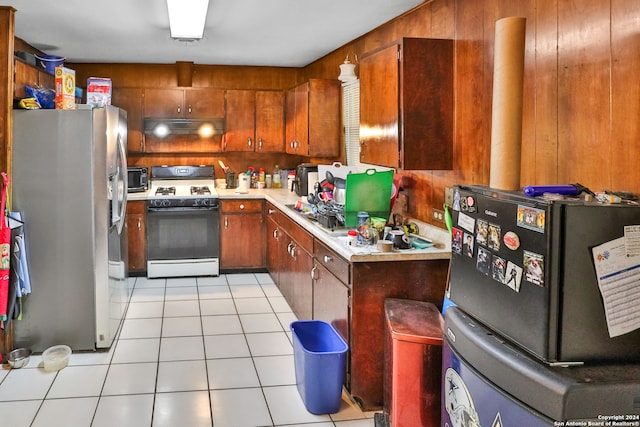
(448, 196)
(438, 215)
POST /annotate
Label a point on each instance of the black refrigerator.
(525, 268)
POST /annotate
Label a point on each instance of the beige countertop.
(283, 197)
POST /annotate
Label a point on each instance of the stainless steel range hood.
(165, 127)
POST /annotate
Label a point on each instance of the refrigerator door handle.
(121, 185)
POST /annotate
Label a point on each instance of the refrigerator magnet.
(531, 218)
(483, 263)
(494, 237)
(534, 268)
(498, 268)
(482, 232)
(514, 276)
(511, 240)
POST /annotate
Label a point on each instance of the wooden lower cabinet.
(241, 229)
(319, 284)
(137, 236)
(295, 276)
(273, 238)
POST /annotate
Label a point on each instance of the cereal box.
(65, 79)
(98, 91)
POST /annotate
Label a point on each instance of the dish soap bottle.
(275, 179)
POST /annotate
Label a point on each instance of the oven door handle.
(183, 209)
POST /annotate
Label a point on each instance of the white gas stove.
(183, 226)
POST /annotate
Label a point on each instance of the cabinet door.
(295, 277)
(136, 235)
(274, 237)
(241, 234)
(324, 122)
(290, 123)
(240, 121)
(269, 121)
(163, 103)
(330, 300)
(379, 116)
(130, 100)
(302, 120)
(204, 103)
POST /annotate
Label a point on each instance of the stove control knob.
(166, 202)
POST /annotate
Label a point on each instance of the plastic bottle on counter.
(261, 175)
(275, 179)
(352, 238)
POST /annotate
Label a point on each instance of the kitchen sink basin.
(334, 232)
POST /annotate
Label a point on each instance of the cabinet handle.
(293, 251)
(289, 247)
(242, 206)
(260, 143)
(249, 142)
(271, 211)
(314, 270)
(179, 109)
(226, 222)
(139, 225)
(275, 234)
(327, 259)
(189, 109)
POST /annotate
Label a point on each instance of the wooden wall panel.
(625, 96)
(584, 77)
(540, 154)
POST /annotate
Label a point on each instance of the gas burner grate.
(166, 191)
(200, 190)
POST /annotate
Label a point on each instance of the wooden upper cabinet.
(313, 125)
(184, 103)
(130, 100)
(195, 103)
(254, 121)
(270, 121)
(406, 105)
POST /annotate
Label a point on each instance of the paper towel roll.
(506, 122)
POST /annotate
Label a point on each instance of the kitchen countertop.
(283, 197)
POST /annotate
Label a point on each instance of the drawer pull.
(242, 206)
(271, 211)
(139, 225)
(327, 259)
(314, 270)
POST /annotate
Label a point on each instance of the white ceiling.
(238, 32)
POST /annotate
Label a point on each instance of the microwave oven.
(138, 179)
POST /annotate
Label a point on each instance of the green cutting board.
(369, 192)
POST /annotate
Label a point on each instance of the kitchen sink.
(334, 232)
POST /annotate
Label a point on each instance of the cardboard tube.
(506, 123)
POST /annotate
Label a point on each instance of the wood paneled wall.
(581, 87)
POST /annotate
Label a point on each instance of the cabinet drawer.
(297, 233)
(241, 206)
(332, 261)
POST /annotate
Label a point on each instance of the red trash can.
(413, 356)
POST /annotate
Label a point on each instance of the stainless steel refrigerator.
(69, 180)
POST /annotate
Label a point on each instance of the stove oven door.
(183, 238)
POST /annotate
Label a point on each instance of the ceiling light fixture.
(187, 18)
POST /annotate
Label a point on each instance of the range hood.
(164, 127)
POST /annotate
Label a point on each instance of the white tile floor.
(192, 352)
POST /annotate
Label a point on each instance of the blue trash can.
(319, 355)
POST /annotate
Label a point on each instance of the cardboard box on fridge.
(98, 91)
(65, 80)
